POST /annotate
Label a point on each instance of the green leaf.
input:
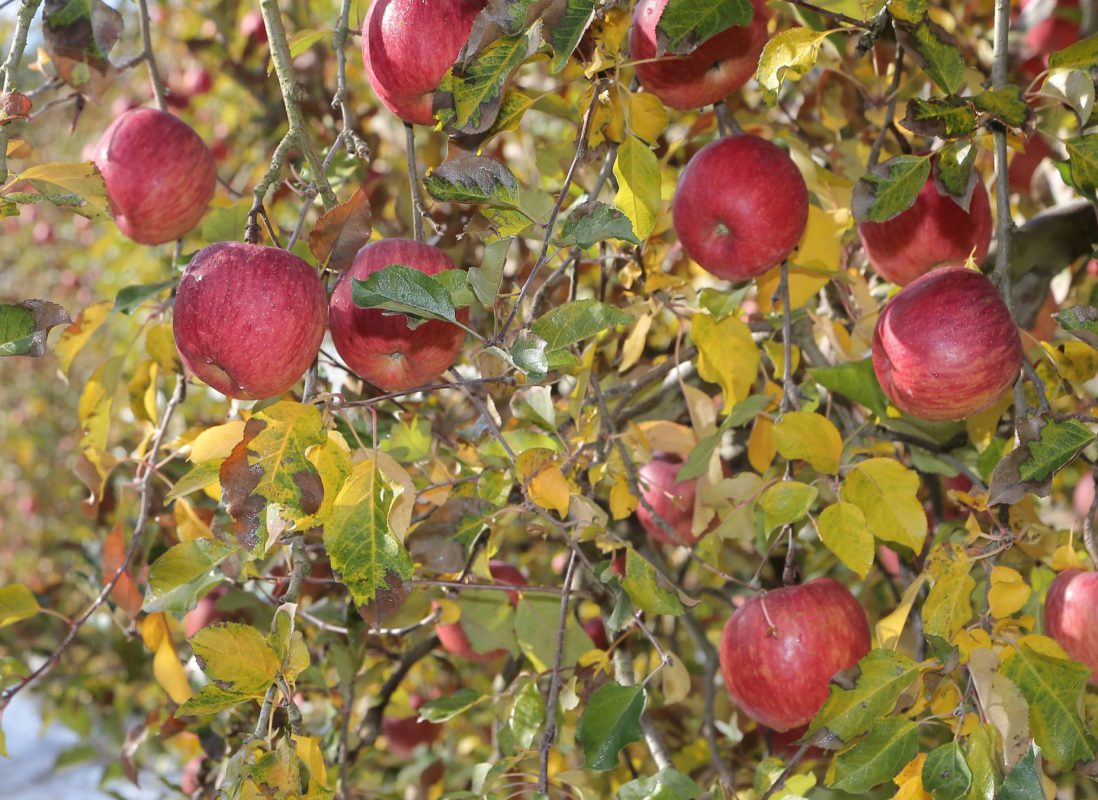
(883, 675)
(1083, 162)
(536, 620)
(404, 290)
(130, 298)
(942, 60)
(642, 584)
(1074, 88)
(182, 574)
(887, 748)
(844, 531)
(573, 322)
(473, 179)
(1081, 322)
(445, 709)
(890, 188)
(564, 27)
(982, 757)
(365, 554)
(469, 96)
(667, 784)
(886, 492)
(1054, 688)
(456, 282)
(24, 326)
(911, 11)
(488, 620)
(16, 604)
(1005, 104)
(1082, 55)
(486, 278)
(610, 721)
(685, 24)
(527, 714)
(786, 502)
(638, 197)
(792, 54)
(953, 172)
(1024, 781)
(212, 699)
(203, 475)
(594, 222)
(1059, 443)
(946, 774)
(855, 380)
(528, 355)
(237, 655)
(743, 412)
(301, 42)
(944, 117)
(226, 223)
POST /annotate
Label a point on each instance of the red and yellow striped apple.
(1070, 616)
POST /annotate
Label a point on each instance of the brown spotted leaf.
(342, 232)
(79, 35)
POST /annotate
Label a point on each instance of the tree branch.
(550, 734)
(10, 70)
(150, 56)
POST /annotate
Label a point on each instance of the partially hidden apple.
(741, 207)
(249, 319)
(780, 650)
(380, 347)
(946, 347)
(1083, 495)
(407, 47)
(672, 500)
(159, 174)
(1071, 616)
(405, 734)
(718, 67)
(934, 232)
(453, 637)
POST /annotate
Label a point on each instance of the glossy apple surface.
(453, 637)
(672, 500)
(159, 174)
(407, 46)
(1071, 616)
(380, 347)
(946, 347)
(934, 232)
(741, 207)
(249, 319)
(780, 650)
(718, 67)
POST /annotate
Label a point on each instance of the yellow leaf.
(886, 492)
(668, 437)
(216, 442)
(633, 348)
(1008, 593)
(1066, 557)
(843, 530)
(1075, 361)
(910, 781)
(948, 606)
(638, 172)
(675, 680)
(760, 444)
(308, 750)
(160, 345)
(727, 355)
(814, 262)
(647, 117)
(805, 436)
(188, 525)
(546, 485)
(981, 427)
(83, 179)
(1044, 645)
(599, 659)
(775, 351)
(968, 640)
(74, 337)
(622, 501)
(890, 628)
(450, 612)
(167, 668)
(791, 53)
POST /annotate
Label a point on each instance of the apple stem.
(413, 182)
(726, 123)
(150, 58)
(772, 629)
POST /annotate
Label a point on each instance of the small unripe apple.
(1071, 616)
(946, 346)
(672, 500)
(718, 67)
(453, 637)
(741, 207)
(780, 650)
(407, 47)
(934, 232)
(380, 347)
(249, 319)
(160, 176)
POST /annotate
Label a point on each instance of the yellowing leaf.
(786, 502)
(638, 172)
(167, 668)
(791, 53)
(647, 116)
(843, 530)
(633, 348)
(675, 680)
(541, 475)
(885, 491)
(890, 628)
(760, 444)
(1008, 593)
(622, 500)
(216, 442)
(809, 437)
(16, 604)
(727, 355)
(668, 437)
(948, 606)
(969, 640)
(981, 426)
(1066, 557)
(910, 781)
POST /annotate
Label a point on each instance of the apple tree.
(553, 398)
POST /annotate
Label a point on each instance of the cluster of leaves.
(320, 542)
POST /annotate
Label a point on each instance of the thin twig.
(893, 95)
(623, 673)
(413, 182)
(371, 724)
(10, 70)
(550, 734)
(780, 782)
(834, 16)
(355, 144)
(150, 56)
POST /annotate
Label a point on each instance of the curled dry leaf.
(342, 232)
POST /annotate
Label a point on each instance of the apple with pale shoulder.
(719, 66)
(379, 346)
(934, 232)
(780, 650)
(672, 500)
(453, 637)
(946, 347)
(159, 174)
(740, 207)
(249, 319)
(407, 47)
(1071, 616)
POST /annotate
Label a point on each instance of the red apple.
(160, 176)
(1083, 496)
(1070, 616)
(1024, 165)
(408, 45)
(672, 500)
(780, 650)
(249, 319)
(597, 631)
(741, 207)
(946, 347)
(252, 27)
(380, 347)
(405, 734)
(718, 67)
(453, 637)
(934, 232)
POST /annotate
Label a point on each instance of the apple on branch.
(1071, 616)
(672, 500)
(453, 637)
(249, 319)
(946, 346)
(159, 174)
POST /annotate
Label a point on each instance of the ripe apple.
(780, 650)
(719, 66)
(407, 46)
(453, 637)
(253, 28)
(934, 232)
(405, 734)
(597, 631)
(380, 347)
(672, 500)
(1070, 616)
(249, 319)
(946, 347)
(1023, 166)
(741, 207)
(160, 176)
